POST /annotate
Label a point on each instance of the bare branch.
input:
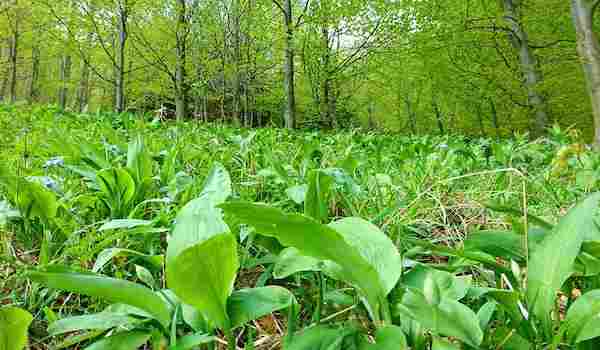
(280, 6)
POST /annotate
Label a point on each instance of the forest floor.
(216, 214)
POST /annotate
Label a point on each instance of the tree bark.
(480, 120)
(529, 65)
(288, 67)
(495, 117)
(12, 57)
(64, 78)
(83, 90)
(33, 93)
(181, 98)
(122, 14)
(237, 57)
(412, 119)
(324, 95)
(438, 114)
(588, 48)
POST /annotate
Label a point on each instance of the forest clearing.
(299, 175)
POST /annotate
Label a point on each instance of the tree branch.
(280, 6)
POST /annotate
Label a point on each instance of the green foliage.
(359, 265)
(347, 240)
(209, 290)
(551, 263)
(14, 323)
(112, 289)
(245, 305)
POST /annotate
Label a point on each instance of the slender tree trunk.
(324, 95)
(495, 117)
(35, 74)
(480, 119)
(589, 52)
(12, 56)
(223, 68)
(83, 89)
(122, 13)
(529, 65)
(64, 78)
(332, 105)
(180, 73)
(438, 114)
(288, 67)
(237, 57)
(5, 71)
(412, 119)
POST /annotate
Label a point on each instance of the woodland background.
(412, 66)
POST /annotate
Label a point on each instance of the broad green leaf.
(31, 198)
(117, 185)
(124, 224)
(485, 314)
(321, 338)
(200, 219)
(586, 265)
(103, 320)
(203, 276)
(124, 309)
(14, 323)
(448, 318)
(194, 318)
(387, 338)
(583, 318)
(145, 276)
(111, 289)
(510, 302)
(297, 193)
(551, 263)
(105, 256)
(245, 305)
(504, 244)
(323, 242)
(291, 261)
(7, 213)
(450, 286)
(139, 160)
(316, 202)
(374, 246)
(121, 341)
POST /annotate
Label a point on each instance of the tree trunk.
(588, 48)
(35, 74)
(529, 65)
(4, 52)
(411, 115)
(83, 90)
(290, 106)
(223, 68)
(480, 120)
(180, 73)
(438, 114)
(237, 103)
(12, 57)
(64, 75)
(324, 95)
(332, 105)
(495, 117)
(120, 56)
